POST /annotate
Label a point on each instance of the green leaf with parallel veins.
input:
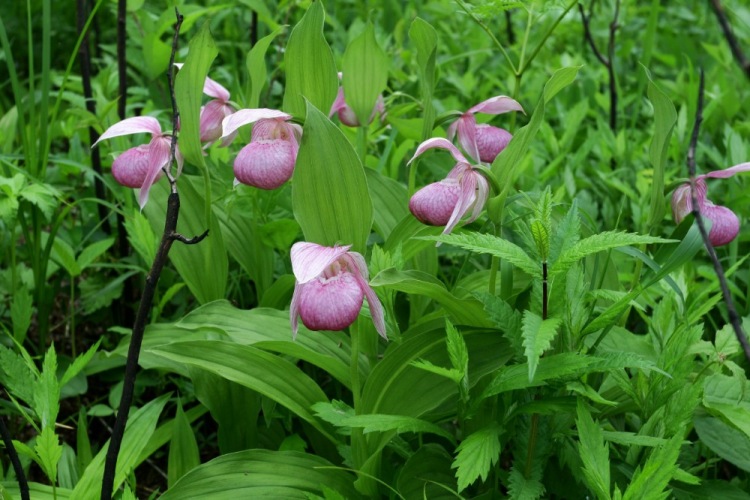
(665, 118)
(329, 194)
(183, 448)
(188, 90)
(256, 67)
(594, 453)
(476, 454)
(424, 37)
(310, 69)
(365, 74)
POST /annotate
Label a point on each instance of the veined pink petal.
(275, 129)
(451, 132)
(131, 167)
(376, 308)
(467, 135)
(357, 264)
(214, 89)
(294, 310)
(483, 193)
(724, 224)
(128, 126)
(491, 141)
(728, 172)
(467, 197)
(309, 260)
(434, 203)
(682, 203)
(245, 116)
(497, 105)
(331, 303)
(339, 103)
(211, 117)
(159, 152)
(440, 143)
(266, 164)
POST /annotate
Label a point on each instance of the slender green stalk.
(525, 42)
(31, 158)
(494, 264)
(362, 143)
(547, 35)
(489, 32)
(44, 120)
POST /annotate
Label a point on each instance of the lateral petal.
(728, 172)
(467, 135)
(128, 126)
(497, 105)
(159, 151)
(466, 198)
(439, 143)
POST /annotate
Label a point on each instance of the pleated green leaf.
(183, 449)
(310, 69)
(424, 38)
(203, 267)
(665, 118)
(256, 67)
(330, 196)
(365, 73)
(389, 202)
(268, 374)
(188, 90)
(263, 474)
(138, 431)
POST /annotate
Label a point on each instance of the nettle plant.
(368, 370)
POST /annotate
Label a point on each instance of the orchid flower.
(484, 142)
(346, 114)
(330, 287)
(141, 166)
(724, 223)
(268, 161)
(214, 111)
(446, 202)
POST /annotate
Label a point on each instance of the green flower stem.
(547, 35)
(489, 32)
(362, 143)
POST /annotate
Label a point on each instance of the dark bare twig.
(96, 159)
(734, 45)
(509, 27)
(607, 62)
(734, 318)
(23, 485)
(169, 236)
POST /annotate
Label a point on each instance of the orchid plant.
(214, 112)
(268, 160)
(446, 202)
(331, 284)
(724, 222)
(141, 166)
(346, 113)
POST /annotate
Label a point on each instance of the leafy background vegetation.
(570, 342)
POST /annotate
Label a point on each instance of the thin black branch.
(189, 241)
(122, 62)
(169, 236)
(96, 160)
(545, 292)
(23, 485)
(734, 45)
(607, 62)
(734, 318)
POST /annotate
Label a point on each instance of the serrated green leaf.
(476, 454)
(43, 196)
(16, 375)
(329, 194)
(567, 233)
(521, 487)
(398, 423)
(256, 67)
(594, 453)
(310, 69)
(598, 243)
(449, 373)
(184, 455)
(46, 402)
(537, 337)
(651, 481)
(632, 439)
(49, 450)
(457, 352)
(188, 90)
(63, 254)
(21, 310)
(365, 74)
(91, 252)
(492, 245)
(79, 363)
(541, 238)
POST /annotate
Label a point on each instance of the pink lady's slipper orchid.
(331, 284)
(268, 161)
(346, 114)
(214, 111)
(724, 223)
(141, 166)
(484, 142)
(446, 202)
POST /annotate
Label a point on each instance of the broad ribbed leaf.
(256, 67)
(725, 440)
(665, 118)
(188, 90)
(183, 448)
(329, 194)
(463, 311)
(424, 38)
(268, 374)
(427, 474)
(138, 431)
(309, 65)
(262, 474)
(203, 267)
(486, 243)
(476, 454)
(537, 336)
(365, 74)
(389, 202)
(594, 453)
